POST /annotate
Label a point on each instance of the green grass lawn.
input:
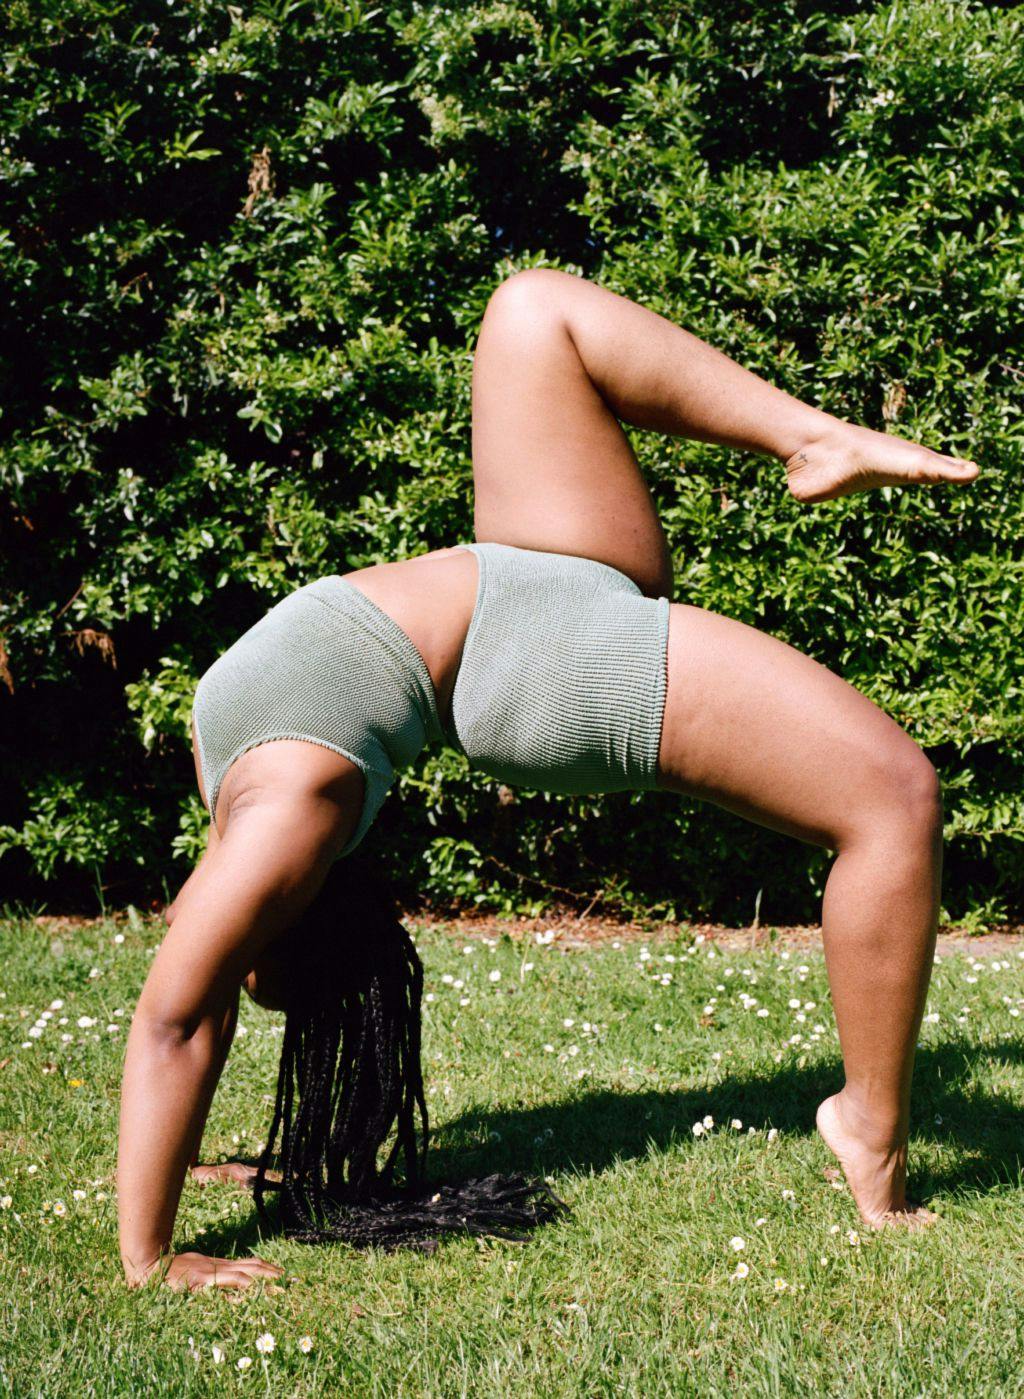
(591, 1067)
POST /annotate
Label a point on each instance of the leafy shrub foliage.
(245, 250)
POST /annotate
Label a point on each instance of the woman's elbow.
(167, 1023)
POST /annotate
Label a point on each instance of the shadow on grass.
(594, 1130)
(589, 1133)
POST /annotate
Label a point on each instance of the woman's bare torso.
(431, 598)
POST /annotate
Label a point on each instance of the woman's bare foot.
(846, 458)
(876, 1174)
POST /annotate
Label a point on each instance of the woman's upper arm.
(249, 886)
(212, 841)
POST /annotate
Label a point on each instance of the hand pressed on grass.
(239, 1173)
(192, 1272)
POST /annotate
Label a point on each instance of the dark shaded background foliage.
(245, 250)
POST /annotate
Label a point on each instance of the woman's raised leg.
(560, 362)
(756, 727)
(552, 468)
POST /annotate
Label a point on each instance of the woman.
(548, 651)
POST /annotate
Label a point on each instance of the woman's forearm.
(169, 1081)
(224, 1041)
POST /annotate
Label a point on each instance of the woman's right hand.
(192, 1272)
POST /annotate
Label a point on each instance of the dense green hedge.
(246, 248)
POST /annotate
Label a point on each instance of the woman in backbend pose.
(549, 653)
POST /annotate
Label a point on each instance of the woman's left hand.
(230, 1173)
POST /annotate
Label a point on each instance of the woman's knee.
(529, 301)
(909, 795)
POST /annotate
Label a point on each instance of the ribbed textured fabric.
(328, 666)
(562, 682)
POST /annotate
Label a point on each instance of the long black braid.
(350, 1089)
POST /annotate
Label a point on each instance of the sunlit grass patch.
(668, 1091)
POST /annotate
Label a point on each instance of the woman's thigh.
(758, 728)
(552, 468)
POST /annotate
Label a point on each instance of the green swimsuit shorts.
(561, 685)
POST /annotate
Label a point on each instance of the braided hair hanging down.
(350, 1080)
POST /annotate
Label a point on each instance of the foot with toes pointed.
(846, 458)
